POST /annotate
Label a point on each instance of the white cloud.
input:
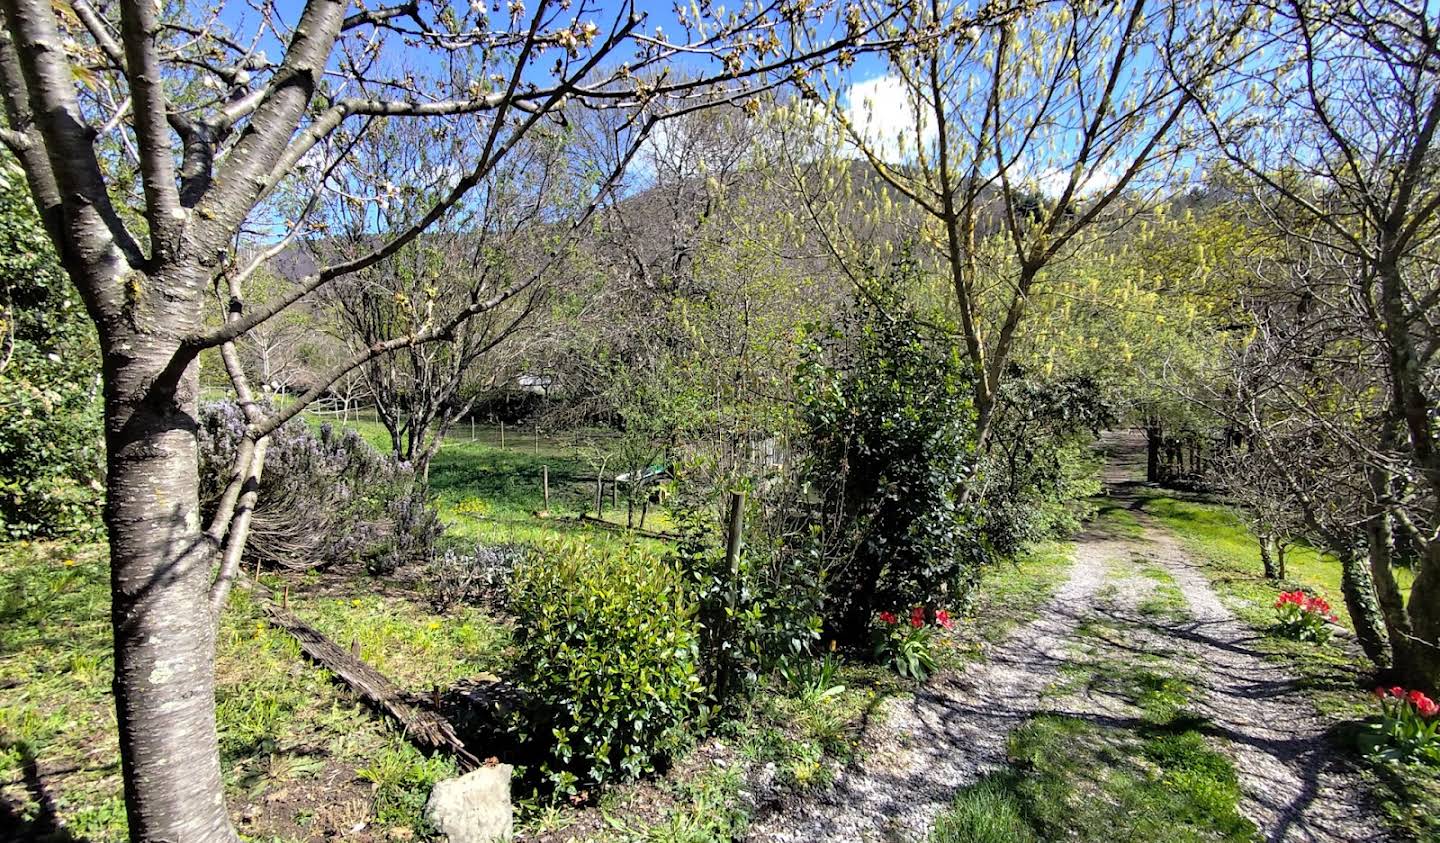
(1052, 181)
(883, 111)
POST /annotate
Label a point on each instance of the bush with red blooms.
(906, 645)
(1304, 617)
(1409, 728)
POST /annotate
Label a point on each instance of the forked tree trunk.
(1269, 557)
(160, 569)
(1413, 626)
(1417, 656)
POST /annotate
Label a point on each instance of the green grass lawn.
(303, 760)
(492, 494)
(1232, 558)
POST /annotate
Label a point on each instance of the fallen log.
(427, 729)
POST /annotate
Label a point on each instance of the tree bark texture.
(1358, 589)
(161, 570)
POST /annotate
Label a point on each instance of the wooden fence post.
(545, 485)
(734, 535)
(502, 434)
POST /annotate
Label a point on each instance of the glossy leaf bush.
(607, 658)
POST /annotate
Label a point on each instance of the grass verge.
(302, 759)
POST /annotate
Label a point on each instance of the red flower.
(1397, 692)
(942, 619)
(1381, 693)
(888, 617)
(1417, 699)
(917, 617)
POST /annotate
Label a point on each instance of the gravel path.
(950, 733)
(914, 757)
(1297, 788)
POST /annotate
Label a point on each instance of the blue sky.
(242, 19)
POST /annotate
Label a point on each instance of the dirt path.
(951, 732)
(1297, 787)
(954, 730)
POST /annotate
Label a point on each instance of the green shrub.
(753, 618)
(52, 453)
(325, 496)
(889, 426)
(607, 651)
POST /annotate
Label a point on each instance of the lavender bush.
(473, 573)
(326, 496)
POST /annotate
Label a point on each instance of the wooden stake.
(355, 647)
(285, 598)
(600, 495)
(734, 534)
(545, 485)
(502, 435)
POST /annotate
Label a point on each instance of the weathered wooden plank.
(592, 521)
(429, 730)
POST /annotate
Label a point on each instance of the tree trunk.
(1358, 588)
(1153, 437)
(160, 567)
(1417, 655)
(1269, 551)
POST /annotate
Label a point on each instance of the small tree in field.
(156, 139)
(1009, 145)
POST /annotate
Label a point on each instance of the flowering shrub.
(326, 496)
(1304, 617)
(1409, 729)
(906, 645)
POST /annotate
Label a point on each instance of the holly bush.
(607, 651)
(889, 429)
